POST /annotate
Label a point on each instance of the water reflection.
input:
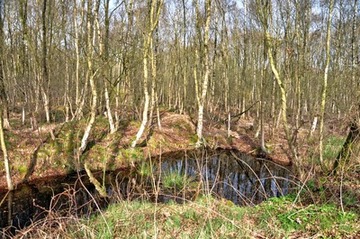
(234, 176)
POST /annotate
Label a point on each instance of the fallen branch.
(100, 188)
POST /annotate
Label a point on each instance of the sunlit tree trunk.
(106, 74)
(205, 81)
(68, 74)
(45, 71)
(153, 54)
(22, 72)
(325, 83)
(4, 153)
(3, 104)
(91, 14)
(154, 13)
(80, 93)
(264, 10)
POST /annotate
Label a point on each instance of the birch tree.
(3, 95)
(4, 153)
(264, 9)
(201, 92)
(45, 71)
(153, 19)
(325, 82)
(91, 73)
(3, 105)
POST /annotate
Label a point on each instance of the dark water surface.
(227, 174)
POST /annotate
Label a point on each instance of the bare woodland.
(287, 63)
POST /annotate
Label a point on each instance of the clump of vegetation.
(176, 181)
(128, 155)
(332, 147)
(145, 169)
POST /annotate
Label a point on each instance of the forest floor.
(329, 207)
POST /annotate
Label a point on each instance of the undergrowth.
(207, 217)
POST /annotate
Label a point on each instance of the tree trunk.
(146, 103)
(4, 152)
(79, 93)
(108, 110)
(90, 77)
(205, 82)
(45, 77)
(3, 95)
(154, 13)
(346, 150)
(325, 83)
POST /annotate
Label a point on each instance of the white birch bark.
(5, 154)
(90, 77)
(325, 83)
(205, 82)
(108, 110)
(153, 21)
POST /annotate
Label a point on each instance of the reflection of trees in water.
(242, 180)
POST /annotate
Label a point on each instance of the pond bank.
(43, 153)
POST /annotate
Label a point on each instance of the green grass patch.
(145, 169)
(332, 147)
(175, 181)
(326, 218)
(282, 217)
(211, 218)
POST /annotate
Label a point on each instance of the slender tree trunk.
(153, 52)
(3, 98)
(3, 95)
(90, 76)
(280, 85)
(45, 76)
(4, 153)
(147, 98)
(154, 13)
(264, 12)
(205, 82)
(107, 76)
(262, 103)
(117, 104)
(108, 109)
(67, 102)
(354, 46)
(80, 94)
(325, 83)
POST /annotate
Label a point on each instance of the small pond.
(178, 177)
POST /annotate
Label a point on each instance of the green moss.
(130, 155)
(22, 169)
(193, 139)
